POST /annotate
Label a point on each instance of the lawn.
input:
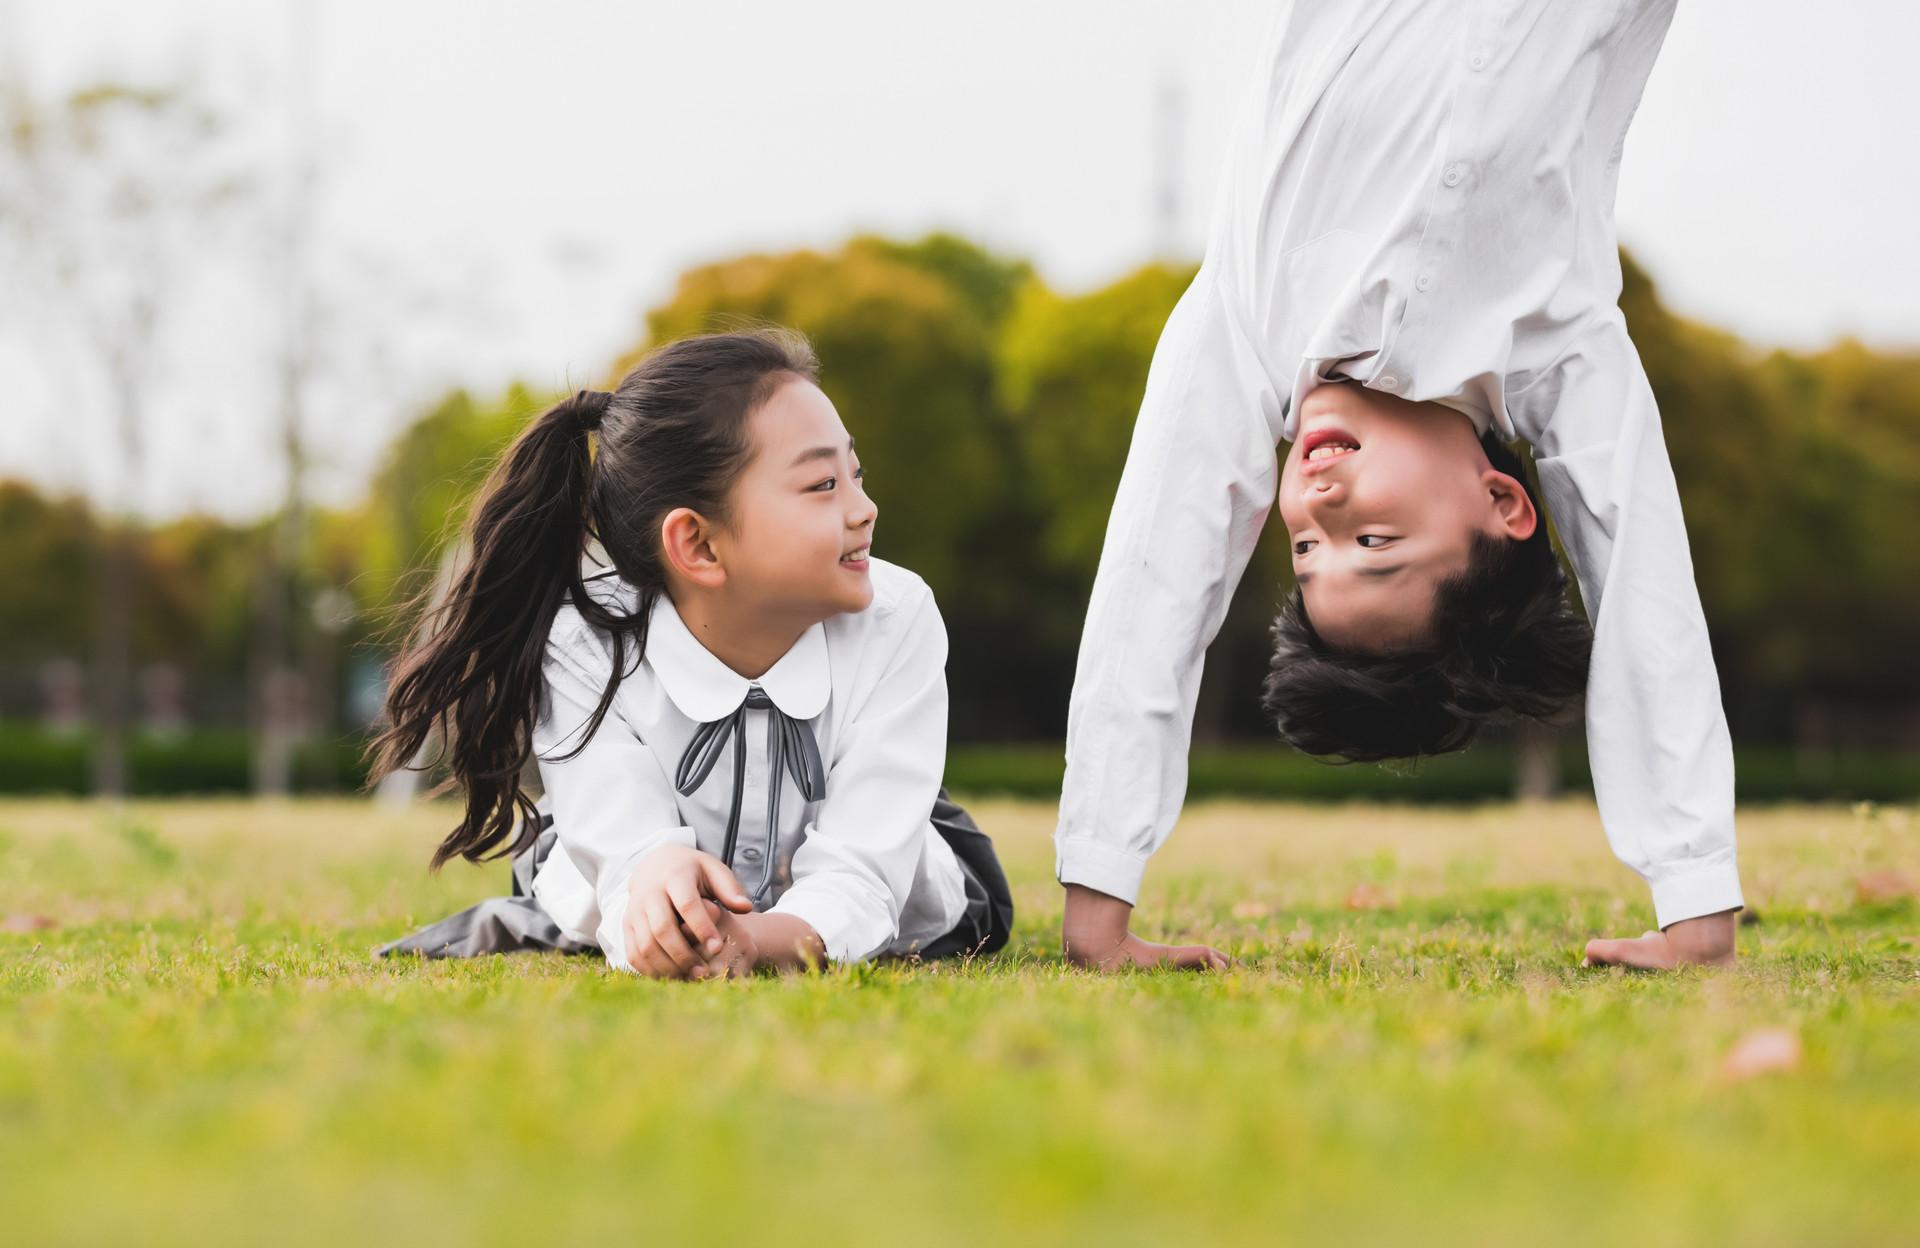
(196, 1049)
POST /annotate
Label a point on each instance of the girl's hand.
(739, 950)
(768, 939)
(669, 888)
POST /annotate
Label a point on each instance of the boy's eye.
(1373, 541)
(827, 484)
(1302, 546)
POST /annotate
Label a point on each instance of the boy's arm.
(1656, 731)
(1199, 482)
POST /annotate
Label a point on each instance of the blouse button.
(1478, 60)
(1423, 282)
(1453, 175)
(750, 853)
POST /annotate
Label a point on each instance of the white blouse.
(864, 865)
(1419, 197)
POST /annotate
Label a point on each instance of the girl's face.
(802, 522)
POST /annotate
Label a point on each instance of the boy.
(1412, 259)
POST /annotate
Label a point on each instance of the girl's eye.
(1302, 546)
(1373, 541)
(825, 485)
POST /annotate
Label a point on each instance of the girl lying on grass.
(740, 724)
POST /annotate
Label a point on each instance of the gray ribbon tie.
(791, 749)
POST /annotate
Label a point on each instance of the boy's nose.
(1325, 493)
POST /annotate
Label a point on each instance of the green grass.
(200, 1051)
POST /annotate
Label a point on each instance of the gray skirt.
(517, 923)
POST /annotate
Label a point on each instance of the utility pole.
(281, 698)
(1169, 150)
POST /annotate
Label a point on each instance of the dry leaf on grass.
(1369, 897)
(1885, 886)
(27, 923)
(1762, 1051)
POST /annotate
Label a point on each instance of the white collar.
(706, 689)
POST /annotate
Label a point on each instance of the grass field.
(196, 1049)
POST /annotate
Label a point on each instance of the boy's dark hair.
(672, 434)
(1507, 644)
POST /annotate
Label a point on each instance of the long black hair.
(672, 434)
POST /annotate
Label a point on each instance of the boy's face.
(1382, 498)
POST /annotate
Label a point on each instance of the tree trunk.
(1536, 763)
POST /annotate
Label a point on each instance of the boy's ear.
(1512, 509)
(686, 545)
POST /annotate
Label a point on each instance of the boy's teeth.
(1327, 450)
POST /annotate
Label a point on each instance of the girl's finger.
(663, 923)
(724, 886)
(693, 913)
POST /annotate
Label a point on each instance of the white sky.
(506, 187)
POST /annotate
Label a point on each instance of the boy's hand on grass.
(670, 927)
(1705, 941)
(1094, 933)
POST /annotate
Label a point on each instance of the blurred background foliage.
(993, 414)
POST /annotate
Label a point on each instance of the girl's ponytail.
(473, 669)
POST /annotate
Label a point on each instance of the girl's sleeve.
(1656, 731)
(853, 870)
(612, 803)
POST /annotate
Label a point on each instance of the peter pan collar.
(706, 689)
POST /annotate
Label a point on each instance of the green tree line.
(994, 414)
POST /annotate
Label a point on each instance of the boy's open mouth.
(1322, 445)
(857, 556)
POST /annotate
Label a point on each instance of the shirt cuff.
(611, 936)
(1115, 872)
(848, 934)
(1698, 889)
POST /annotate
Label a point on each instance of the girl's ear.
(1512, 509)
(686, 542)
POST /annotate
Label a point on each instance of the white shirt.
(1419, 197)
(864, 865)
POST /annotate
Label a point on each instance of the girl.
(740, 727)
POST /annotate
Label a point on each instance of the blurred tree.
(995, 415)
(111, 194)
(1799, 475)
